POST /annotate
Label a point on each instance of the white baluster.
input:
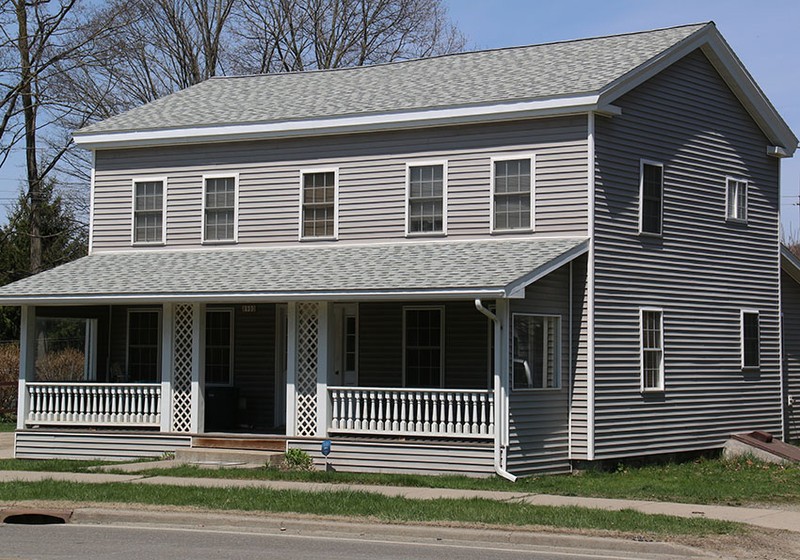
(373, 421)
(335, 409)
(349, 410)
(382, 412)
(426, 423)
(450, 426)
(459, 405)
(395, 410)
(418, 419)
(475, 426)
(491, 415)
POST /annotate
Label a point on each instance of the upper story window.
(220, 208)
(652, 350)
(423, 346)
(651, 198)
(751, 343)
(536, 344)
(219, 346)
(426, 198)
(512, 194)
(319, 194)
(736, 203)
(148, 211)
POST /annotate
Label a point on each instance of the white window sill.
(312, 239)
(426, 234)
(511, 231)
(148, 244)
(651, 234)
(220, 241)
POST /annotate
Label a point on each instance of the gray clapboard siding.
(372, 174)
(539, 419)
(702, 272)
(790, 303)
(405, 457)
(579, 397)
(103, 445)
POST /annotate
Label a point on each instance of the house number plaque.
(248, 309)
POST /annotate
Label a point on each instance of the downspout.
(500, 411)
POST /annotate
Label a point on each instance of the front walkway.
(771, 518)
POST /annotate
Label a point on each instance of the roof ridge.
(454, 54)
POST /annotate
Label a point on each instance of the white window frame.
(231, 312)
(513, 157)
(757, 313)
(311, 170)
(441, 309)
(235, 239)
(426, 163)
(556, 353)
(131, 310)
(661, 375)
(728, 216)
(652, 163)
(149, 179)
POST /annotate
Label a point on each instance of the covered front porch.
(299, 369)
(408, 357)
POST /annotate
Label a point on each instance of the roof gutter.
(501, 404)
(345, 125)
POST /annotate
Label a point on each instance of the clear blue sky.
(764, 36)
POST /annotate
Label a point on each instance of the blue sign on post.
(326, 447)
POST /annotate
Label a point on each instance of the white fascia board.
(732, 71)
(790, 264)
(517, 288)
(342, 125)
(254, 297)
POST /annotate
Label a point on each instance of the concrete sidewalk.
(773, 518)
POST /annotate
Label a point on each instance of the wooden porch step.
(258, 443)
(216, 457)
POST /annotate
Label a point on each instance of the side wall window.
(219, 346)
(751, 340)
(536, 352)
(219, 208)
(651, 198)
(652, 350)
(736, 200)
(426, 198)
(423, 346)
(148, 211)
(512, 194)
(144, 345)
(318, 205)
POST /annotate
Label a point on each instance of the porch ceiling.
(494, 268)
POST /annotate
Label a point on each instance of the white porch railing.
(412, 412)
(95, 404)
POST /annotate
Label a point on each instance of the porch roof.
(495, 268)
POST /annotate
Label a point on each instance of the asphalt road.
(95, 542)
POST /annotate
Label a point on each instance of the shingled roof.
(506, 75)
(476, 268)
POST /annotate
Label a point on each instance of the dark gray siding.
(702, 272)
(579, 397)
(539, 419)
(790, 304)
(372, 171)
(466, 354)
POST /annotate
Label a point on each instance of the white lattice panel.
(306, 376)
(182, 369)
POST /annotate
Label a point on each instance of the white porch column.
(325, 348)
(167, 327)
(198, 367)
(27, 361)
(291, 369)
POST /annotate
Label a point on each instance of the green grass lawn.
(8, 426)
(367, 505)
(705, 481)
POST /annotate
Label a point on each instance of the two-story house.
(501, 261)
